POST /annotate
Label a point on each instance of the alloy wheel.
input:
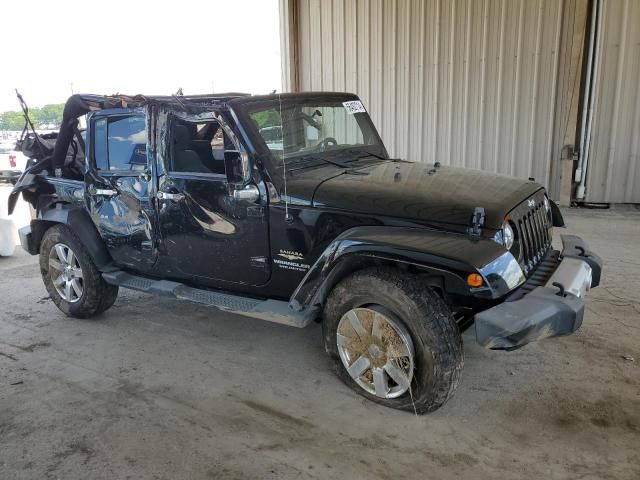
(377, 351)
(66, 273)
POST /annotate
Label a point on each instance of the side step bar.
(271, 310)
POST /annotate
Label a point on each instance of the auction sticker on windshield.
(354, 106)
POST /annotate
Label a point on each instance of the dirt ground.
(159, 389)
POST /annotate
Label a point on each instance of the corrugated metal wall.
(472, 83)
(614, 165)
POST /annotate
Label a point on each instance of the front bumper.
(552, 310)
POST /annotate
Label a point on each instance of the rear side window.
(120, 143)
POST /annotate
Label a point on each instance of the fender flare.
(446, 256)
(79, 221)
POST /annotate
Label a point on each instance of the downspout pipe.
(587, 88)
(594, 59)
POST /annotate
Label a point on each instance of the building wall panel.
(470, 83)
(613, 173)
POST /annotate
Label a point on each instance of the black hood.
(414, 191)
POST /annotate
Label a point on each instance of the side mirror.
(249, 193)
(237, 166)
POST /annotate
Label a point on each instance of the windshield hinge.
(477, 222)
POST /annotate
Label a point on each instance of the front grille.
(532, 228)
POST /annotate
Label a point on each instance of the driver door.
(209, 235)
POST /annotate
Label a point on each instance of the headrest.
(181, 137)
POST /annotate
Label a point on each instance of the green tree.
(12, 120)
(266, 118)
(51, 114)
(48, 115)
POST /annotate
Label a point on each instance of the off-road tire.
(97, 295)
(436, 338)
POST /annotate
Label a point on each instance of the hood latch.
(477, 222)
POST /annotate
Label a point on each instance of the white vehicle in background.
(7, 226)
(12, 162)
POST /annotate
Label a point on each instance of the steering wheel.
(325, 143)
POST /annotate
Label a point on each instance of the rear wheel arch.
(39, 228)
(78, 221)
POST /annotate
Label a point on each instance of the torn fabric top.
(81, 104)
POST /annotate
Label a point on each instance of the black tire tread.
(436, 328)
(98, 295)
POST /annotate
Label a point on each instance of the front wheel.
(74, 283)
(393, 340)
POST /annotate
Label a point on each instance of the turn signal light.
(474, 280)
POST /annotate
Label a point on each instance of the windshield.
(303, 129)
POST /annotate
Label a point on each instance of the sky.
(51, 48)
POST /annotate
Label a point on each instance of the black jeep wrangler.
(288, 208)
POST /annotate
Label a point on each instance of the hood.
(418, 192)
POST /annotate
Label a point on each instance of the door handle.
(106, 192)
(176, 197)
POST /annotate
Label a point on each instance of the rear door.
(118, 184)
(208, 236)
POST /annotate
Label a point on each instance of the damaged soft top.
(32, 144)
(54, 151)
(81, 104)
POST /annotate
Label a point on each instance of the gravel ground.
(159, 389)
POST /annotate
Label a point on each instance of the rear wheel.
(393, 340)
(70, 276)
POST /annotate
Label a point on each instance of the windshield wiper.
(310, 161)
(333, 162)
(375, 155)
(359, 153)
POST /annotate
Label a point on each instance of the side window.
(198, 148)
(100, 144)
(127, 143)
(120, 143)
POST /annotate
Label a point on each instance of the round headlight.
(507, 235)
(547, 206)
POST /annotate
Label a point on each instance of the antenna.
(287, 218)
